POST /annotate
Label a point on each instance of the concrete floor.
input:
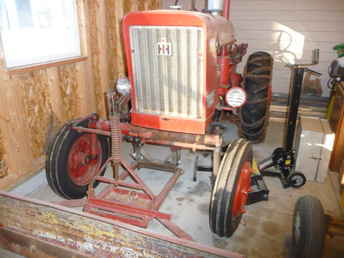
(265, 229)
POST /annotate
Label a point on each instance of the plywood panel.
(114, 37)
(35, 104)
(153, 4)
(141, 5)
(120, 63)
(17, 143)
(69, 85)
(102, 38)
(37, 108)
(84, 70)
(94, 50)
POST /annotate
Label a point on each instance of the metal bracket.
(198, 168)
(259, 191)
(281, 159)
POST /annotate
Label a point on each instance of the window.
(38, 31)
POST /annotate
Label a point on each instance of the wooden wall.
(34, 104)
(289, 30)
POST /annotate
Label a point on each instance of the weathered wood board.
(32, 227)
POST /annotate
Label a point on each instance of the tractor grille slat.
(168, 85)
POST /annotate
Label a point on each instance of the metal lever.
(317, 74)
(315, 60)
(315, 56)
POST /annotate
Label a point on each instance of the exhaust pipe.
(219, 7)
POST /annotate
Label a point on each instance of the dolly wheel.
(73, 160)
(254, 115)
(297, 180)
(230, 191)
(309, 228)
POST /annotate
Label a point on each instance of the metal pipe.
(193, 5)
(204, 144)
(218, 7)
(226, 9)
(215, 6)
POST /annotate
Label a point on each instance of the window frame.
(54, 62)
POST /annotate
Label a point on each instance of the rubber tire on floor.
(57, 160)
(310, 243)
(254, 115)
(220, 217)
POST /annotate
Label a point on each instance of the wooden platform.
(30, 227)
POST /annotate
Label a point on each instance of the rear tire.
(58, 169)
(254, 115)
(309, 228)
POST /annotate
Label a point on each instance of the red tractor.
(181, 78)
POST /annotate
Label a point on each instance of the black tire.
(309, 228)
(254, 115)
(221, 220)
(57, 173)
(297, 180)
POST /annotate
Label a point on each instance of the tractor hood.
(212, 24)
(172, 66)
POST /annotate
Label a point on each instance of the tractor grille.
(170, 82)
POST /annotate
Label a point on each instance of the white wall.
(289, 30)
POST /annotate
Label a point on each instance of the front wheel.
(254, 115)
(230, 191)
(73, 160)
(309, 228)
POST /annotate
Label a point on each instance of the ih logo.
(164, 48)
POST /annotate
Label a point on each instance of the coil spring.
(116, 138)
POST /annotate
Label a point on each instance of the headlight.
(123, 86)
(236, 97)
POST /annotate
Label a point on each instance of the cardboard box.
(326, 150)
(314, 146)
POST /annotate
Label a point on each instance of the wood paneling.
(34, 104)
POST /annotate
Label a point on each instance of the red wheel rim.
(84, 159)
(241, 192)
